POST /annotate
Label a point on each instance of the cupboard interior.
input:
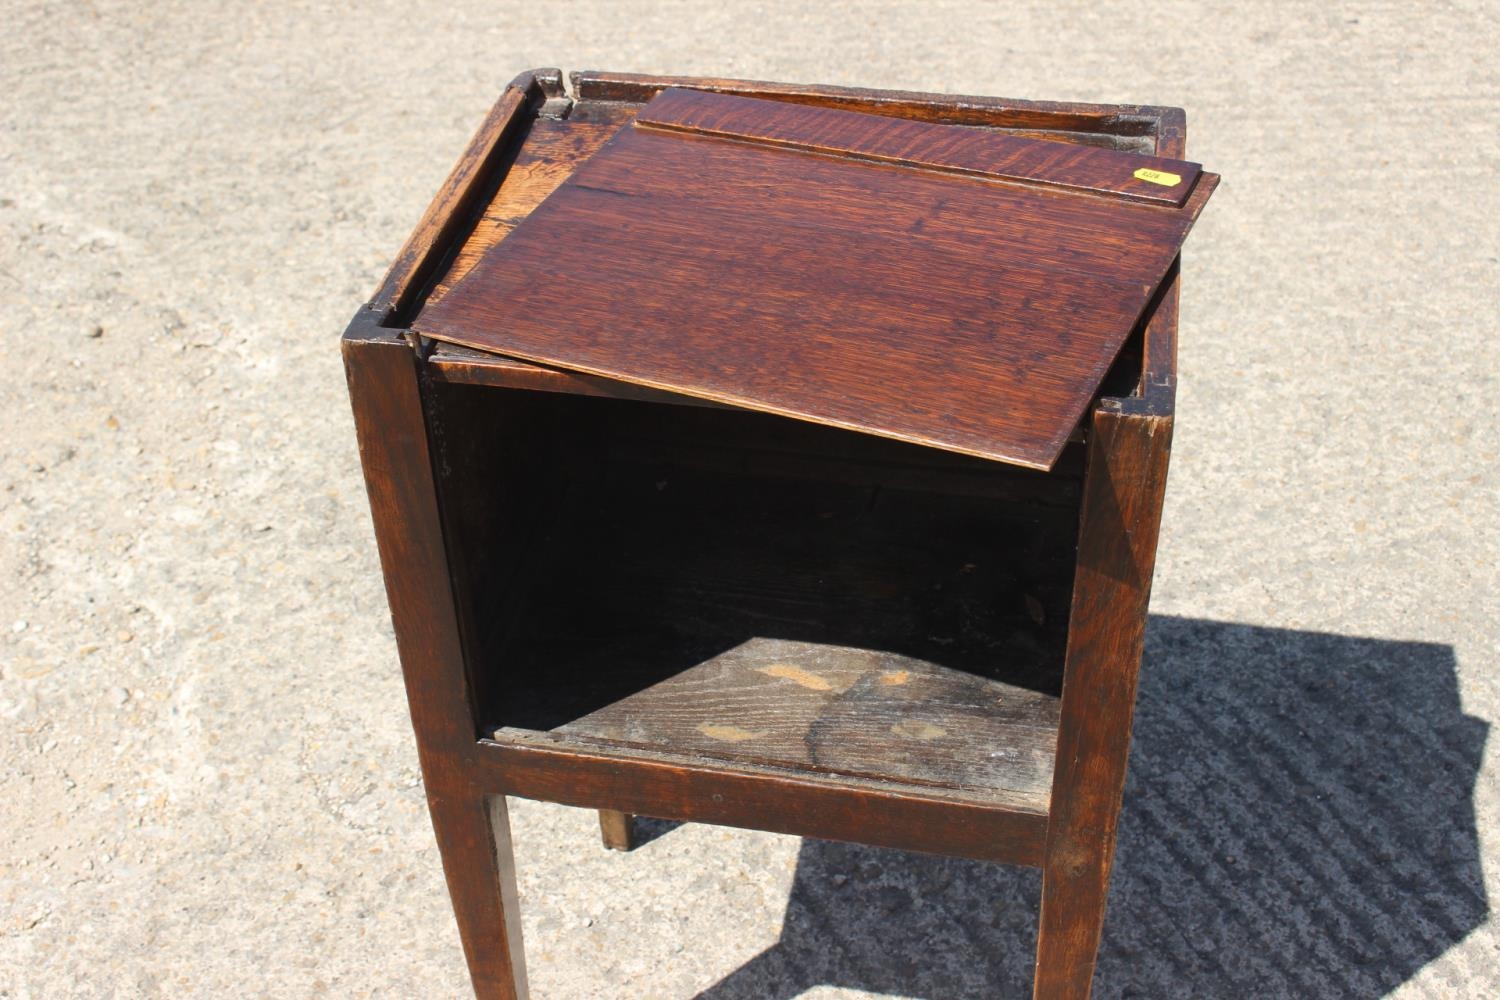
(736, 586)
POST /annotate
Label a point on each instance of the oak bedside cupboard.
(780, 457)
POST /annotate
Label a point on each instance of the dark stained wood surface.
(465, 366)
(922, 144)
(553, 150)
(940, 309)
(472, 826)
(1121, 515)
(464, 188)
(1074, 121)
(554, 147)
(830, 807)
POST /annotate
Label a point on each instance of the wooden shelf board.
(820, 709)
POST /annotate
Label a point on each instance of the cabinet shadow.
(1298, 823)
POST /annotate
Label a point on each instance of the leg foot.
(617, 829)
(473, 834)
(1073, 897)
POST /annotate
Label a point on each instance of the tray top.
(949, 286)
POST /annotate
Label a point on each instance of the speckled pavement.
(208, 786)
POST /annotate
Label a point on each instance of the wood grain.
(919, 144)
(1123, 492)
(457, 365)
(462, 192)
(552, 151)
(1092, 120)
(844, 710)
(959, 314)
(471, 826)
(553, 769)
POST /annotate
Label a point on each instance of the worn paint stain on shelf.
(797, 675)
(729, 734)
(918, 730)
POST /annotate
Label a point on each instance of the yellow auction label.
(1158, 177)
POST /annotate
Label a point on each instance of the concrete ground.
(207, 781)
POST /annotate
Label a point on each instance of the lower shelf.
(835, 710)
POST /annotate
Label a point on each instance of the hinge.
(420, 345)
